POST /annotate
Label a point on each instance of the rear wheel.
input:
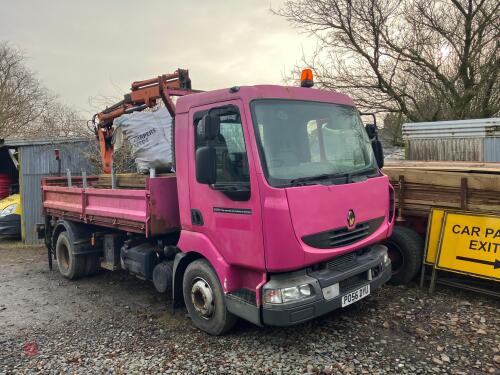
(70, 265)
(405, 249)
(204, 299)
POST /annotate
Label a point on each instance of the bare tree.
(21, 95)
(426, 59)
(392, 130)
(123, 159)
(56, 120)
(29, 110)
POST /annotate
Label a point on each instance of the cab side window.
(232, 162)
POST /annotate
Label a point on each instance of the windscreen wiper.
(326, 176)
(301, 180)
(365, 172)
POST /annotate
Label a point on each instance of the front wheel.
(204, 299)
(405, 249)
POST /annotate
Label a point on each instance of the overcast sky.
(87, 48)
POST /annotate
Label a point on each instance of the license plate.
(355, 295)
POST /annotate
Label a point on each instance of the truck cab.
(280, 191)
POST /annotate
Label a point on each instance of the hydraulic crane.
(143, 94)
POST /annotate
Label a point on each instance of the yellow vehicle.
(10, 217)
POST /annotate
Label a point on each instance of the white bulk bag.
(150, 135)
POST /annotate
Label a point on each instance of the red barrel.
(5, 182)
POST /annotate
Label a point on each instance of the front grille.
(342, 263)
(342, 236)
(352, 282)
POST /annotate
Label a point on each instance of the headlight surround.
(289, 294)
(8, 210)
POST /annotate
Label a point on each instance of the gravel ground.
(114, 323)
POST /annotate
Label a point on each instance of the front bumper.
(10, 226)
(351, 277)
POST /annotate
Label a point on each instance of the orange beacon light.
(306, 78)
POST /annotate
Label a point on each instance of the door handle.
(196, 217)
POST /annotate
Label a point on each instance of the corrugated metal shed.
(492, 149)
(36, 159)
(467, 140)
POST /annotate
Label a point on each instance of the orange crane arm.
(143, 94)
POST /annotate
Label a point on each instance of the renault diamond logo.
(351, 218)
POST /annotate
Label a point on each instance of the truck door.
(232, 223)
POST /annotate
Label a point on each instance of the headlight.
(272, 296)
(8, 210)
(283, 295)
(387, 260)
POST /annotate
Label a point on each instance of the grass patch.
(17, 245)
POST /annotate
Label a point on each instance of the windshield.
(305, 140)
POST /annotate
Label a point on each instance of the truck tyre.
(405, 248)
(91, 264)
(204, 299)
(70, 265)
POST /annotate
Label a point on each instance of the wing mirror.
(206, 172)
(378, 150)
(206, 159)
(209, 127)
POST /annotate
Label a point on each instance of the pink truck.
(275, 212)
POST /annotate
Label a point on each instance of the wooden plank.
(126, 180)
(439, 184)
(445, 178)
(480, 206)
(480, 167)
(431, 163)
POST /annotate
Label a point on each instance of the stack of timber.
(421, 185)
(126, 180)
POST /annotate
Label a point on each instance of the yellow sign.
(470, 244)
(433, 232)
